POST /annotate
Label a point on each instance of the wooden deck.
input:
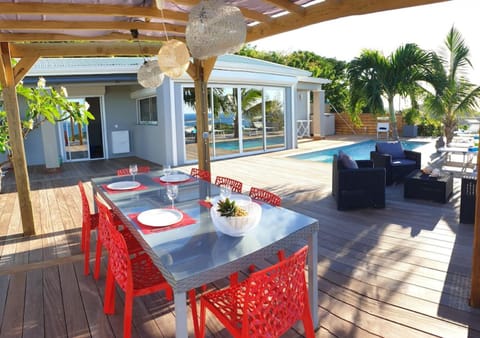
(402, 271)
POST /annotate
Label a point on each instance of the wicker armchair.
(397, 162)
(358, 188)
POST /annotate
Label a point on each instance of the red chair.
(136, 275)
(126, 171)
(89, 223)
(265, 196)
(235, 185)
(103, 237)
(266, 304)
(201, 174)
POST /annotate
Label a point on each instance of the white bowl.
(237, 226)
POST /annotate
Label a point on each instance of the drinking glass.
(225, 191)
(133, 169)
(172, 193)
(167, 170)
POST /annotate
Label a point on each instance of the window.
(147, 110)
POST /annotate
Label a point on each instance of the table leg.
(313, 277)
(180, 299)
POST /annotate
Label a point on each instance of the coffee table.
(422, 186)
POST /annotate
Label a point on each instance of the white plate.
(240, 200)
(173, 178)
(123, 185)
(160, 217)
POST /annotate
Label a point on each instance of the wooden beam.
(22, 67)
(200, 72)
(16, 141)
(16, 25)
(248, 13)
(41, 37)
(88, 10)
(288, 6)
(80, 49)
(328, 10)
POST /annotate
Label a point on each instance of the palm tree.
(373, 76)
(453, 96)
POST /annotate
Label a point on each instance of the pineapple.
(228, 208)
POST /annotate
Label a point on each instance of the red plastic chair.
(265, 196)
(126, 171)
(103, 236)
(235, 185)
(136, 275)
(266, 304)
(89, 223)
(201, 174)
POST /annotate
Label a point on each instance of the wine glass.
(225, 191)
(172, 193)
(167, 170)
(133, 169)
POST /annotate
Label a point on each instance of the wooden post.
(16, 141)
(200, 72)
(475, 287)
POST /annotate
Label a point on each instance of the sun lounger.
(467, 153)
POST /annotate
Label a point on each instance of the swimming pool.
(358, 151)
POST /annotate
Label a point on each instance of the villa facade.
(258, 107)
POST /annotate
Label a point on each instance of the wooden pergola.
(34, 29)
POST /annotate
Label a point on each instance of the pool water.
(358, 151)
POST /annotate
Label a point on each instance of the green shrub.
(429, 127)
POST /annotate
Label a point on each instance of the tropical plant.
(453, 96)
(336, 92)
(374, 77)
(42, 104)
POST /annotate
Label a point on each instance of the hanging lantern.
(214, 29)
(149, 74)
(173, 58)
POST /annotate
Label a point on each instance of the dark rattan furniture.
(398, 162)
(358, 188)
(422, 186)
(467, 199)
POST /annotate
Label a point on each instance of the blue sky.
(426, 25)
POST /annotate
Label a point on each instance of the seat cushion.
(347, 161)
(393, 149)
(402, 162)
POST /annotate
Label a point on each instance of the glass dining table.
(192, 252)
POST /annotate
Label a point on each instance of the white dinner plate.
(175, 178)
(123, 185)
(160, 217)
(239, 199)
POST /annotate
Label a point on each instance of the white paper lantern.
(149, 74)
(173, 58)
(214, 29)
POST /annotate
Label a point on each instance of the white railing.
(303, 128)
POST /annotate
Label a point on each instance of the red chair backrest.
(105, 218)
(235, 185)
(126, 171)
(280, 294)
(266, 196)
(118, 258)
(202, 174)
(86, 218)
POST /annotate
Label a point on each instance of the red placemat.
(186, 220)
(159, 181)
(113, 191)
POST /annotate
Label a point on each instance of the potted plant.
(410, 118)
(233, 220)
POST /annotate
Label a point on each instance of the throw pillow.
(393, 149)
(347, 161)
